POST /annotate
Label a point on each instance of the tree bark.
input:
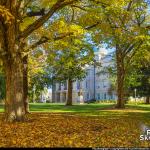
(147, 100)
(25, 84)
(13, 66)
(14, 108)
(120, 79)
(69, 97)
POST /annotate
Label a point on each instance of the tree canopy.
(57, 30)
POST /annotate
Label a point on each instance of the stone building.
(95, 85)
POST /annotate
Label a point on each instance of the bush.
(100, 101)
(106, 101)
(90, 101)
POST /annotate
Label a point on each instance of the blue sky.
(103, 46)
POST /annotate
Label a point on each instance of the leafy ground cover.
(89, 125)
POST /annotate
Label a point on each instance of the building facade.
(96, 84)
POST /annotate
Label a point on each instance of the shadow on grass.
(145, 107)
(103, 109)
(138, 112)
(73, 108)
(132, 112)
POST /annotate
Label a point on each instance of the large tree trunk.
(13, 65)
(14, 108)
(120, 79)
(69, 97)
(25, 83)
(147, 100)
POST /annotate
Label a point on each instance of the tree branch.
(133, 54)
(41, 41)
(62, 36)
(37, 13)
(148, 27)
(38, 23)
(45, 39)
(102, 3)
(92, 26)
(129, 5)
(82, 8)
(131, 46)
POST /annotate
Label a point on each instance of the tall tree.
(39, 74)
(13, 37)
(121, 24)
(139, 77)
(69, 61)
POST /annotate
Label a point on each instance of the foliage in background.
(140, 72)
(69, 63)
(122, 25)
(39, 74)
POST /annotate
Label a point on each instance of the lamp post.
(135, 90)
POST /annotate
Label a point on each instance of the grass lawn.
(59, 107)
(87, 125)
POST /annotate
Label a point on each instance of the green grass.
(84, 108)
(139, 111)
(80, 108)
(59, 107)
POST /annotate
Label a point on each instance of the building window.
(88, 96)
(65, 85)
(88, 72)
(86, 84)
(105, 96)
(111, 96)
(59, 86)
(104, 83)
(98, 96)
(78, 85)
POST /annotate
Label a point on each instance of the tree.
(68, 62)
(121, 24)
(68, 44)
(144, 87)
(13, 40)
(39, 74)
(140, 69)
